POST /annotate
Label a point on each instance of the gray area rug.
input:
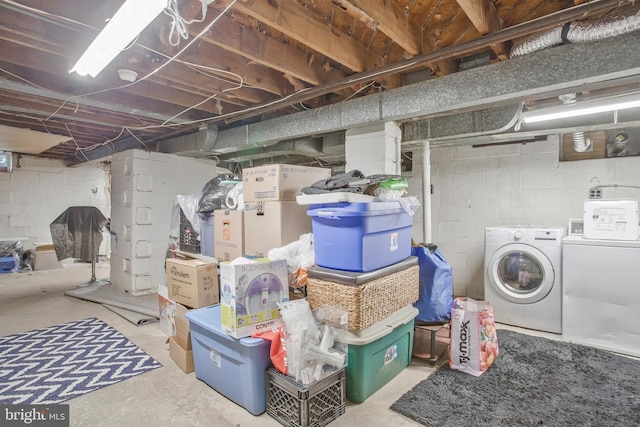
(139, 310)
(533, 382)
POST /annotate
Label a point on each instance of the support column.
(374, 150)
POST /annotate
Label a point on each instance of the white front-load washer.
(522, 276)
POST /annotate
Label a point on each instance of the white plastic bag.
(300, 256)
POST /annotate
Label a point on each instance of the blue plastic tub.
(233, 367)
(360, 236)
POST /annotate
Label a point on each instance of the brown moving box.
(192, 282)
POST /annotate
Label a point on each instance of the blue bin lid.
(355, 209)
(210, 318)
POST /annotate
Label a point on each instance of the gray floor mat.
(133, 308)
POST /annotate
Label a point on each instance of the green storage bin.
(378, 353)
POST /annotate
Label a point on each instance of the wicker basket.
(369, 302)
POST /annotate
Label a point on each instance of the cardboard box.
(251, 291)
(228, 232)
(192, 282)
(279, 182)
(182, 357)
(45, 257)
(269, 225)
(184, 341)
(181, 322)
(166, 311)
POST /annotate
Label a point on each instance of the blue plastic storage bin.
(233, 367)
(360, 236)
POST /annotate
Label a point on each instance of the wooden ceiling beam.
(387, 17)
(293, 20)
(226, 65)
(253, 45)
(484, 16)
(51, 44)
(267, 60)
(137, 96)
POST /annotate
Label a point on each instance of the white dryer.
(522, 276)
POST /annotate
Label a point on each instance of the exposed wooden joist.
(48, 63)
(253, 45)
(52, 59)
(20, 34)
(385, 16)
(292, 19)
(484, 16)
(456, 51)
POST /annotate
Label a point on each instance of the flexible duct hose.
(579, 32)
(580, 142)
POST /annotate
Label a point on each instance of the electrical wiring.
(204, 31)
(21, 78)
(138, 139)
(75, 142)
(200, 68)
(359, 90)
(179, 24)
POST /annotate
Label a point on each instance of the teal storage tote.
(233, 367)
(360, 236)
(378, 353)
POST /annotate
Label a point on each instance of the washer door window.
(521, 273)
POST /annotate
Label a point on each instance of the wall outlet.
(595, 193)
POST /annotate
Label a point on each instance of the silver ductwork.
(579, 32)
(198, 144)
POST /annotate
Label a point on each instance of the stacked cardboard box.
(272, 216)
(191, 284)
(180, 349)
(228, 231)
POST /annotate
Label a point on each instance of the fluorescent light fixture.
(582, 108)
(132, 17)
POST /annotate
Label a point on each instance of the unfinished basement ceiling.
(253, 61)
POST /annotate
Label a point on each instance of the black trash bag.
(214, 193)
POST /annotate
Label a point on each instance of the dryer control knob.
(518, 235)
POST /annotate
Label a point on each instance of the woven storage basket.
(369, 302)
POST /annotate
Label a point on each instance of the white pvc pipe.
(426, 192)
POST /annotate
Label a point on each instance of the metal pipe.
(426, 193)
(520, 30)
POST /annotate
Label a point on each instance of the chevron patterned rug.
(55, 364)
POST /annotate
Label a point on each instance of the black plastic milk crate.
(316, 405)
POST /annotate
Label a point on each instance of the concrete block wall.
(37, 192)
(144, 187)
(508, 185)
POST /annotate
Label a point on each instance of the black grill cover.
(72, 230)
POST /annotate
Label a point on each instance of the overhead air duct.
(579, 32)
(198, 144)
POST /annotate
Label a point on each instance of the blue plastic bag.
(436, 285)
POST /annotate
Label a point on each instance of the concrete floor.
(164, 396)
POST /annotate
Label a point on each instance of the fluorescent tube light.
(582, 108)
(132, 17)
